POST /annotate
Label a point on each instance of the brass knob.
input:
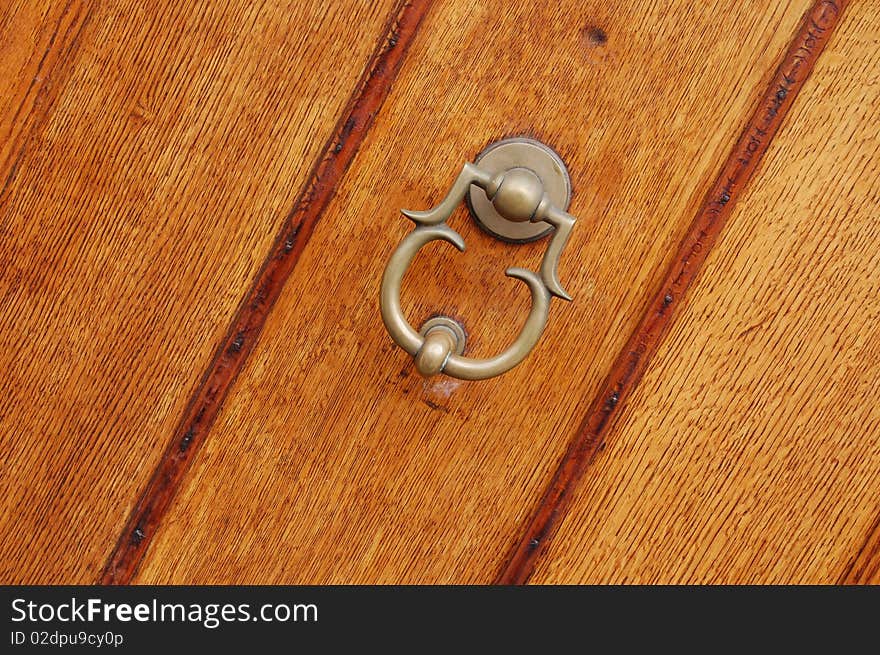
(516, 194)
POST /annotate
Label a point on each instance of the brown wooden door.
(198, 202)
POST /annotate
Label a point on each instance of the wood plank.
(245, 329)
(133, 222)
(331, 461)
(750, 452)
(741, 165)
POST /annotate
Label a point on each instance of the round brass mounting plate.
(526, 153)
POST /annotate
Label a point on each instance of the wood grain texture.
(865, 566)
(38, 43)
(245, 328)
(331, 461)
(750, 451)
(134, 217)
(741, 165)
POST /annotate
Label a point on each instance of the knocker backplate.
(527, 153)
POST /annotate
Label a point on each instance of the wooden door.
(198, 202)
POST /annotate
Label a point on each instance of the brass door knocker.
(518, 190)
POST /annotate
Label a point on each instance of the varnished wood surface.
(865, 566)
(331, 461)
(150, 154)
(247, 325)
(164, 413)
(816, 28)
(749, 453)
(38, 42)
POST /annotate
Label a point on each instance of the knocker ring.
(520, 182)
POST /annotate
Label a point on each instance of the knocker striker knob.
(443, 337)
(518, 190)
(435, 350)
